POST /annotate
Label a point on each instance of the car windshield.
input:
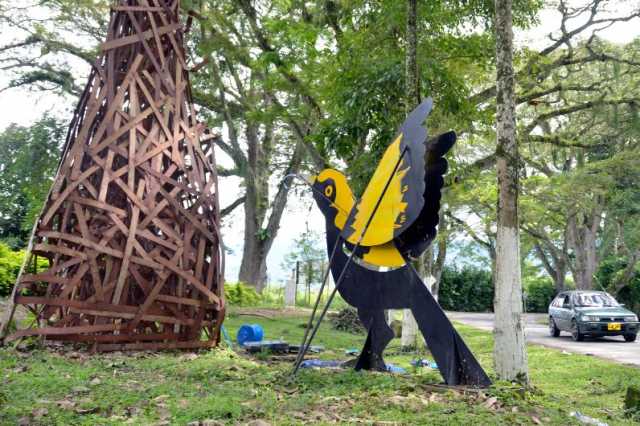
(595, 300)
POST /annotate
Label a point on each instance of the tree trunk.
(583, 236)
(255, 168)
(258, 235)
(510, 353)
(438, 264)
(412, 87)
(409, 338)
(253, 268)
(586, 261)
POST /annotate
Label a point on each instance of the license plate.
(614, 326)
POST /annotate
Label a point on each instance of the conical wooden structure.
(131, 225)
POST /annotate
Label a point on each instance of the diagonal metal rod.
(315, 307)
(326, 274)
(303, 350)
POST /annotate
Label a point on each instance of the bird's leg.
(378, 337)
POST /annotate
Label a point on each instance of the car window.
(594, 300)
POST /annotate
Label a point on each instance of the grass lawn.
(224, 387)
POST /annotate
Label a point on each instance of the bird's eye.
(328, 191)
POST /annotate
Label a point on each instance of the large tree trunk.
(583, 235)
(253, 268)
(262, 217)
(412, 87)
(510, 353)
(258, 235)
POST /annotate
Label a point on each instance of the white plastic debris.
(586, 420)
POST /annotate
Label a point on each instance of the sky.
(22, 107)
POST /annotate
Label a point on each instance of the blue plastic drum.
(249, 333)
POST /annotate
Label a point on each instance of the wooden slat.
(156, 346)
(101, 205)
(116, 337)
(191, 279)
(124, 41)
(58, 331)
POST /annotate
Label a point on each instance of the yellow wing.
(390, 212)
(402, 169)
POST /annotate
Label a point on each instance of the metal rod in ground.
(305, 348)
(315, 307)
(324, 279)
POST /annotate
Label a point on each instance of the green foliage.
(307, 258)
(468, 290)
(10, 263)
(609, 273)
(272, 297)
(28, 161)
(540, 292)
(240, 294)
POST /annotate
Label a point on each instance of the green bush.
(10, 263)
(240, 294)
(468, 290)
(610, 270)
(272, 297)
(540, 292)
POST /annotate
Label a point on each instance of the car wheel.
(575, 332)
(553, 329)
(629, 337)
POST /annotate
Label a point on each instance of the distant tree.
(28, 161)
(307, 258)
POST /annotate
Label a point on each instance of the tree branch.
(231, 207)
(280, 200)
(470, 231)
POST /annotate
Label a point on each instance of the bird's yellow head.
(333, 195)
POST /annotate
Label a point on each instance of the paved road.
(612, 348)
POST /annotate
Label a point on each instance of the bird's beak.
(310, 179)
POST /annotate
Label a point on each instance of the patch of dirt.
(18, 317)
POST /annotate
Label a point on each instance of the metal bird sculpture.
(371, 243)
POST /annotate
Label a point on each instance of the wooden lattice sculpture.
(130, 228)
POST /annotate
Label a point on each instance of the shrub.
(540, 292)
(610, 271)
(468, 290)
(240, 294)
(272, 296)
(10, 263)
